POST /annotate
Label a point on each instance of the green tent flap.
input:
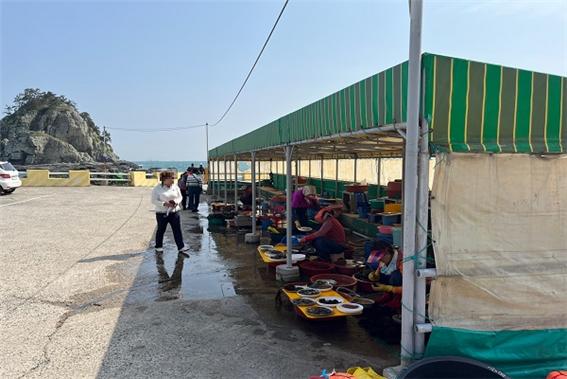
(470, 106)
(518, 353)
(480, 107)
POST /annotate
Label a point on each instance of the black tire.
(6, 192)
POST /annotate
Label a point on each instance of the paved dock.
(83, 295)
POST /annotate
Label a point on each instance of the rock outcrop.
(43, 128)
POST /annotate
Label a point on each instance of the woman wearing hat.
(166, 197)
(330, 239)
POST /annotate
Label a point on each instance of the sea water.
(181, 166)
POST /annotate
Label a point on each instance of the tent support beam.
(288, 213)
(379, 176)
(211, 179)
(336, 178)
(288, 272)
(322, 177)
(235, 184)
(225, 182)
(411, 184)
(253, 237)
(421, 236)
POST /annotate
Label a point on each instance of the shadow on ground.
(213, 315)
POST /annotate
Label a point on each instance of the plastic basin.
(345, 281)
(310, 268)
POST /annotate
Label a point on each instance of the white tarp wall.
(499, 223)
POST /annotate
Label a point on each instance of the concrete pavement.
(82, 296)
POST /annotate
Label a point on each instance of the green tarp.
(518, 353)
(470, 106)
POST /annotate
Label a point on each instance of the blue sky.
(160, 64)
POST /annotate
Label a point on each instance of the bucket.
(311, 268)
(450, 367)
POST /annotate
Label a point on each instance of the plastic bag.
(364, 373)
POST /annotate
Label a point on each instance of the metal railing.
(110, 178)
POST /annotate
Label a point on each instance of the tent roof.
(470, 107)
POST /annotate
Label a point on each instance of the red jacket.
(331, 229)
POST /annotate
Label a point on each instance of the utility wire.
(235, 97)
(253, 66)
(158, 130)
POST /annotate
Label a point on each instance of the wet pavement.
(210, 315)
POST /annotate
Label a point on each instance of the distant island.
(42, 129)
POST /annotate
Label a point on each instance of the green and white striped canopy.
(480, 107)
(470, 107)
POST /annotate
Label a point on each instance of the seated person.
(301, 200)
(329, 241)
(246, 197)
(388, 277)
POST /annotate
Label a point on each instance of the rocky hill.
(44, 128)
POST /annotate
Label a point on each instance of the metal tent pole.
(410, 183)
(422, 218)
(355, 169)
(235, 184)
(322, 177)
(211, 184)
(253, 237)
(379, 175)
(296, 173)
(288, 215)
(218, 178)
(288, 272)
(309, 168)
(254, 193)
(208, 168)
(225, 182)
(336, 178)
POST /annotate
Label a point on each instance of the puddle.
(204, 275)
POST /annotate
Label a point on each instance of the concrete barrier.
(139, 179)
(41, 178)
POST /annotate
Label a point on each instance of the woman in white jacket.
(166, 196)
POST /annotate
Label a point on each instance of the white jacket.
(162, 194)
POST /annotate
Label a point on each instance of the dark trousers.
(325, 247)
(174, 220)
(184, 199)
(393, 279)
(193, 194)
(300, 214)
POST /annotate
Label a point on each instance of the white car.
(9, 178)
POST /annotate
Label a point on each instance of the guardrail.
(110, 178)
(85, 178)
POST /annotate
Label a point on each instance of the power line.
(159, 129)
(253, 66)
(235, 97)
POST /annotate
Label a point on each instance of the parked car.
(9, 178)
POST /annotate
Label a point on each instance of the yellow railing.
(83, 178)
(43, 178)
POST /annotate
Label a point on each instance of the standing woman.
(166, 196)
